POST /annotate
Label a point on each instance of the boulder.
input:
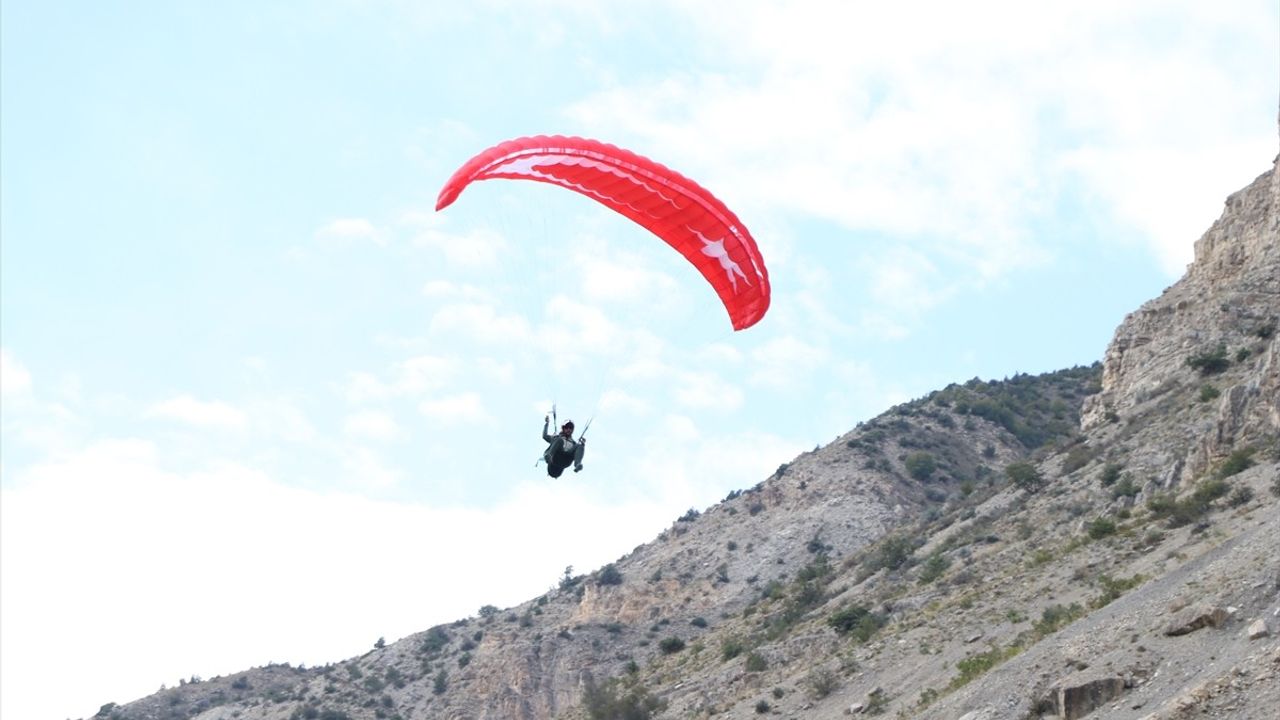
(1258, 629)
(1076, 697)
(1193, 618)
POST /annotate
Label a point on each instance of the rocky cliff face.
(1226, 303)
(1096, 542)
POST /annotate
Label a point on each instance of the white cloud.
(279, 419)
(619, 402)
(1170, 224)
(574, 328)
(424, 373)
(119, 491)
(785, 361)
(502, 371)
(200, 413)
(707, 391)
(352, 229)
(481, 322)
(14, 378)
(361, 387)
(462, 409)
(372, 425)
(955, 131)
(407, 378)
(719, 355)
(644, 368)
(625, 278)
(456, 291)
(367, 469)
(905, 281)
(695, 469)
(478, 249)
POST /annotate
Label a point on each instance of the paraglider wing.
(670, 205)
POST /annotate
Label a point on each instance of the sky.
(260, 403)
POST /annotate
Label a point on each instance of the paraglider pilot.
(562, 449)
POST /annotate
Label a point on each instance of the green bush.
(933, 568)
(1040, 557)
(1240, 496)
(1113, 588)
(1161, 505)
(1125, 488)
(671, 645)
(927, 697)
(756, 663)
(822, 682)
(892, 553)
(1191, 508)
(1211, 362)
(1236, 463)
(732, 648)
(1208, 392)
(1024, 475)
(619, 699)
(975, 666)
(1078, 457)
(920, 465)
(1110, 474)
(1056, 616)
(1101, 527)
(609, 575)
(857, 622)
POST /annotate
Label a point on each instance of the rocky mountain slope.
(1100, 541)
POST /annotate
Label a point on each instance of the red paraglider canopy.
(670, 205)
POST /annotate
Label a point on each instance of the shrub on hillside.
(933, 568)
(920, 465)
(1242, 495)
(1056, 616)
(892, 553)
(1211, 362)
(1024, 475)
(1178, 512)
(626, 699)
(732, 648)
(1125, 488)
(822, 682)
(671, 645)
(1236, 463)
(609, 575)
(858, 622)
(1110, 474)
(1099, 528)
(1078, 457)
